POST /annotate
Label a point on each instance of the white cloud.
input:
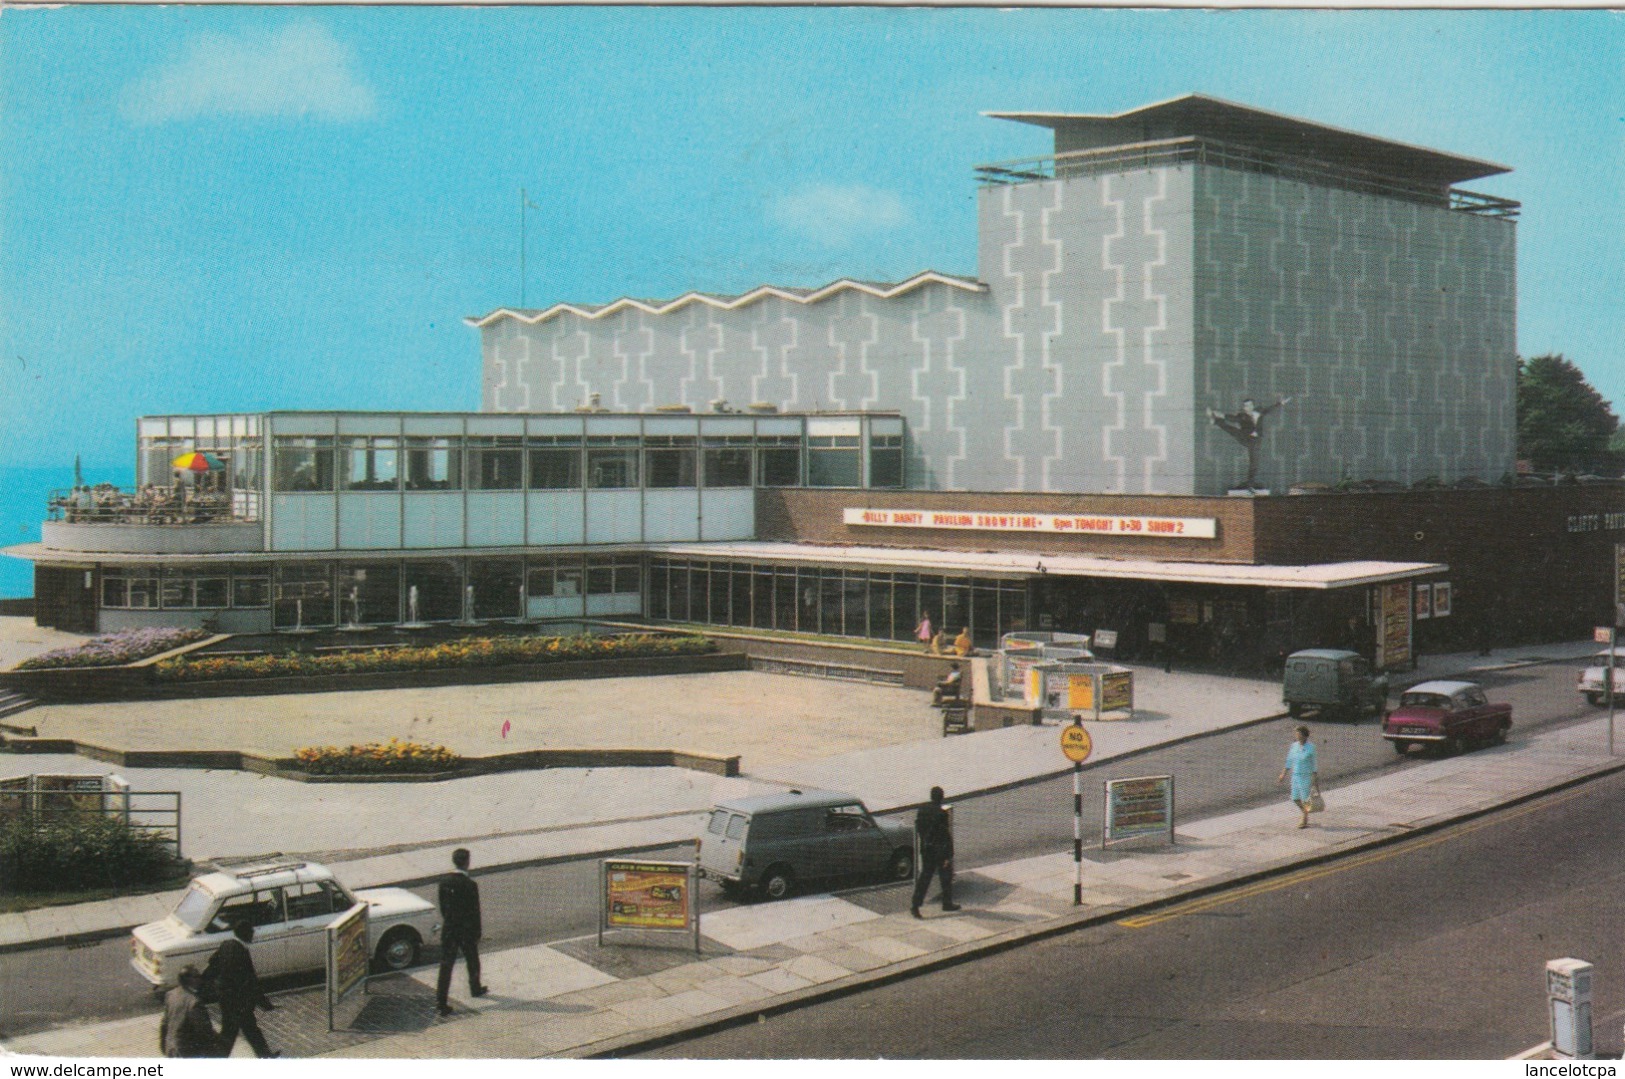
(834, 216)
(299, 70)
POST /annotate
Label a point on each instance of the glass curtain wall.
(873, 604)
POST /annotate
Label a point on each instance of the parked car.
(1334, 681)
(1447, 716)
(1594, 680)
(773, 843)
(289, 904)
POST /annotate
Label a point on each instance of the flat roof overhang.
(1325, 575)
(1211, 117)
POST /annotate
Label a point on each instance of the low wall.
(284, 767)
(138, 683)
(916, 669)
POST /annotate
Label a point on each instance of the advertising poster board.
(1141, 806)
(1424, 601)
(1117, 691)
(1441, 599)
(1068, 690)
(649, 895)
(1393, 625)
(348, 951)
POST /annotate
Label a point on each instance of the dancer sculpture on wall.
(1247, 428)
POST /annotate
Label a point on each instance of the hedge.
(465, 652)
(82, 852)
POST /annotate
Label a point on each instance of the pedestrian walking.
(925, 633)
(460, 930)
(186, 1029)
(936, 853)
(1304, 768)
(236, 985)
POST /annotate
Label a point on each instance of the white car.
(1594, 680)
(289, 904)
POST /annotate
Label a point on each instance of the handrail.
(1202, 151)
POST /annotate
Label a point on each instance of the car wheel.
(1597, 700)
(1402, 748)
(901, 866)
(1452, 746)
(1499, 738)
(778, 882)
(1295, 709)
(398, 950)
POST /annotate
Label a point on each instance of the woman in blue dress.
(1304, 769)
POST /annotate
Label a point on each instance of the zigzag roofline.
(729, 303)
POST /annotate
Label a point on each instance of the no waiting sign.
(1075, 743)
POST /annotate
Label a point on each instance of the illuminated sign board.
(1050, 523)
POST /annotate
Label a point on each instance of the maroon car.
(1447, 716)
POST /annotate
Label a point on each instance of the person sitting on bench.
(949, 687)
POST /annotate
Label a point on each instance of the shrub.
(376, 758)
(114, 649)
(465, 652)
(81, 852)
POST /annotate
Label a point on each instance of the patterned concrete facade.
(1111, 311)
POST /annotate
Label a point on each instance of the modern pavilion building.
(1223, 378)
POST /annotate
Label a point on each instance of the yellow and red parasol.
(198, 462)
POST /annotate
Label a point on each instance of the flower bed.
(468, 652)
(376, 758)
(114, 649)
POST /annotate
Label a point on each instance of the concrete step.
(11, 703)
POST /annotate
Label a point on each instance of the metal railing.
(150, 811)
(1199, 151)
(106, 504)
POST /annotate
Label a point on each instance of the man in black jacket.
(460, 929)
(231, 975)
(936, 853)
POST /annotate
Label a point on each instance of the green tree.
(1563, 423)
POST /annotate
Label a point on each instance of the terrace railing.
(107, 504)
(1191, 150)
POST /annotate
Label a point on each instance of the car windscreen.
(194, 907)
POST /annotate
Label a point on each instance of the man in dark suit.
(236, 985)
(936, 838)
(460, 929)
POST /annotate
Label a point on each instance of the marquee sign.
(1053, 523)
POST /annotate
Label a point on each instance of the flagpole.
(523, 203)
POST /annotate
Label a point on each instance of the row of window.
(368, 463)
(873, 604)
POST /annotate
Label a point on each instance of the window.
(555, 464)
(212, 591)
(300, 463)
(669, 461)
(560, 582)
(314, 899)
(494, 464)
(778, 461)
(433, 464)
(612, 461)
(303, 595)
(250, 590)
(833, 461)
(605, 578)
(727, 462)
(115, 590)
(253, 908)
(886, 461)
(371, 464)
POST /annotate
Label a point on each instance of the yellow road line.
(1303, 876)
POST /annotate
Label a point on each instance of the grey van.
(771, 843)
(1332, 680)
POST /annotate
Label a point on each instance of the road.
(1221, 773)
(1430, 949)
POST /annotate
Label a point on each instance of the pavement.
(574, 998)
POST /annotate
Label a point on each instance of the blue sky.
(233, 209)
